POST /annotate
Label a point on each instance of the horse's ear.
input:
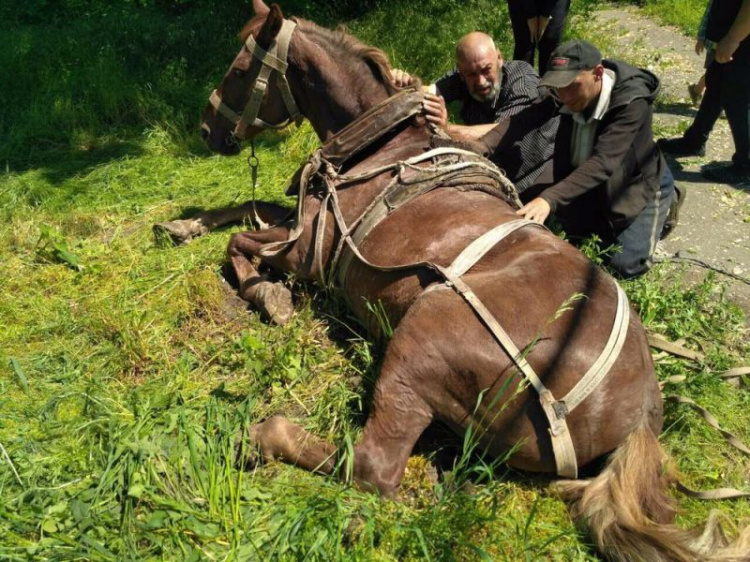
(260, 8)
(271, 26)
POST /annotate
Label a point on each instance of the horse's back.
(553, 302)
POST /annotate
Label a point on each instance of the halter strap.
(272, 60)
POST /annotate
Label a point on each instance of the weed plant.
(127, 368)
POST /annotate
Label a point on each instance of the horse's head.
(285, 63)
(254, 94)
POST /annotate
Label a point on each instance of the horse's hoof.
(180, 232)
(275, 300)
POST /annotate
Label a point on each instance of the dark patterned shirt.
(527, 158)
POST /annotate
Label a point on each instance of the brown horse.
(443, 362)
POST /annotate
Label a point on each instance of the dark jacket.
(624, 170)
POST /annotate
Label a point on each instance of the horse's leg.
(274, 299)
(398, 417)
(182, 231)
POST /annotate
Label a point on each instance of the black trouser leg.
(709, 110)
(553, 34)
(524, 48)
(735, 99)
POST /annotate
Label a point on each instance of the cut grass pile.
(127, 368)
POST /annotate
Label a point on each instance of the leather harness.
(273, 60)
(441, 167)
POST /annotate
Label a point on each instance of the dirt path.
(715, 219)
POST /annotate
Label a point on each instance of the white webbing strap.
(606, 359)
(562, 444)
(479, 247)
(555, 410)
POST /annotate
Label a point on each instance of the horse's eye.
(238, 72)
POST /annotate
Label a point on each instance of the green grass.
(685, 14)
(126, 369)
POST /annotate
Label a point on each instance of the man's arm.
(511, 129)
(737, 33)
(522, 91)
(436, 113)
(609, 151)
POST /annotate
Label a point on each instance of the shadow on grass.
(676, 108)
(681, 174)
(58, 163)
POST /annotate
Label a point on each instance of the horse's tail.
(629, 515)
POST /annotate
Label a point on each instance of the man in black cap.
(608, 177)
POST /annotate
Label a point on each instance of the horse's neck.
(357, 197)
(344, 107)
(336, 93)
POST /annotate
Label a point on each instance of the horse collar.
(372, 125)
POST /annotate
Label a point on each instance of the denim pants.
(638, 241)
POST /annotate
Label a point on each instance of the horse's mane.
(343, 46)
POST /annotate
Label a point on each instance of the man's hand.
(435, 110)
(725, 49)
(400, 78)
(536, 210)
(700, 46)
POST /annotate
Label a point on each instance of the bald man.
(490, 90)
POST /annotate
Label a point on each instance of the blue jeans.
(638, 241)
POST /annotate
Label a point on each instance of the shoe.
(695, 95)
(674, 212)
(679, 147)
(731, 174)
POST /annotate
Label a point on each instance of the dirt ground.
(715, 218)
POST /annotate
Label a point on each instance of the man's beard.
(489, 96)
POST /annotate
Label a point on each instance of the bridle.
(275, 59)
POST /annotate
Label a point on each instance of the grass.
(126, 369)
(685, 14)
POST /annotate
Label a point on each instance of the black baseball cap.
(567, 60)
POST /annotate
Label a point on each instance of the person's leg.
(553, 34)
(701, 85)
(735, 99)
(693, 141)
(523, 47)
(709, 110)
(638, 241)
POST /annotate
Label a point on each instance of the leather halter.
(275, 59)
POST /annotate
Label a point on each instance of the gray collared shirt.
(585, 129)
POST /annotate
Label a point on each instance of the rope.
(676, 257)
